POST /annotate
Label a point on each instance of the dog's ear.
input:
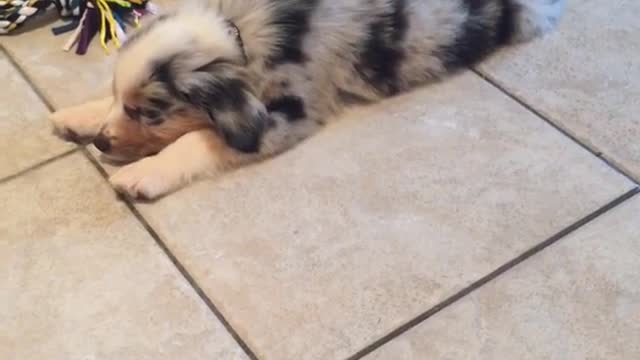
(242, 122)
(217, 89)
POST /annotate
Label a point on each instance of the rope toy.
(15, 13)
(85, 19)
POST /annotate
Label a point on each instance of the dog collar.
(235, 31)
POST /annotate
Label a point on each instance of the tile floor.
(494, 216)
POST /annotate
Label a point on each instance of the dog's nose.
(102, 143)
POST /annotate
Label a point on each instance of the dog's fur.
(215, 85)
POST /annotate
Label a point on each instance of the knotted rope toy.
(85, 19)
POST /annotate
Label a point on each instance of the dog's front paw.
(145, 179)
(66, 127)
(79, 124)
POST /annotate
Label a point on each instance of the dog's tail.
(532, 18)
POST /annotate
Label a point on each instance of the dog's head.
(182, 72)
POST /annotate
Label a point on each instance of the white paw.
(62, 129)
(145, 179)
(75, 124)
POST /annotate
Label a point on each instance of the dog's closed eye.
(148, 116)
(159, 104)
(151, 117)
(132, 112)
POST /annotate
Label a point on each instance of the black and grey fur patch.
(163, 72)
(507, 24)
(292, 107)
(245, 135)
(229, 104)
(292, 22)
(479, 35)
(382, 51)
(220, 93)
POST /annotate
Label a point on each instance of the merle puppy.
(220, 83)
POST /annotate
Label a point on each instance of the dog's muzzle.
(102, 143)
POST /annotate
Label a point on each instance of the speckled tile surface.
(578, 299)
(319, 252)
(327, 248)
(80, 278)
(64, 78)
(584, 77)
(25, 134)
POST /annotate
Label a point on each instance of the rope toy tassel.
(112, 19)
(76, 34)
(89, 29)
(86, 18)
(103, 25)
(14, 13)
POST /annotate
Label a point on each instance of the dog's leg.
(194, 155)
(81, 124)
(200, 154)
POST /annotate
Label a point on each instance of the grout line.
(134, 211)
(408, 325)
(493, 275)
(591, 149)
(27, 78)
(38, 165)
(47, 104)
(174, 260)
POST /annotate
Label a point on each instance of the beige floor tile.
(318, 252)
(578, 299)
(585, 77)
(81, 279)
(63, 77)
(25, 135)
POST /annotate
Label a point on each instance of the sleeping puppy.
(215, 85)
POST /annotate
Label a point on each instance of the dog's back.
(331, 53)
(268, 73)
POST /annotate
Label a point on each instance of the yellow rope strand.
(123, 3)
(112, 23)
(103, 32)
(136, 21)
